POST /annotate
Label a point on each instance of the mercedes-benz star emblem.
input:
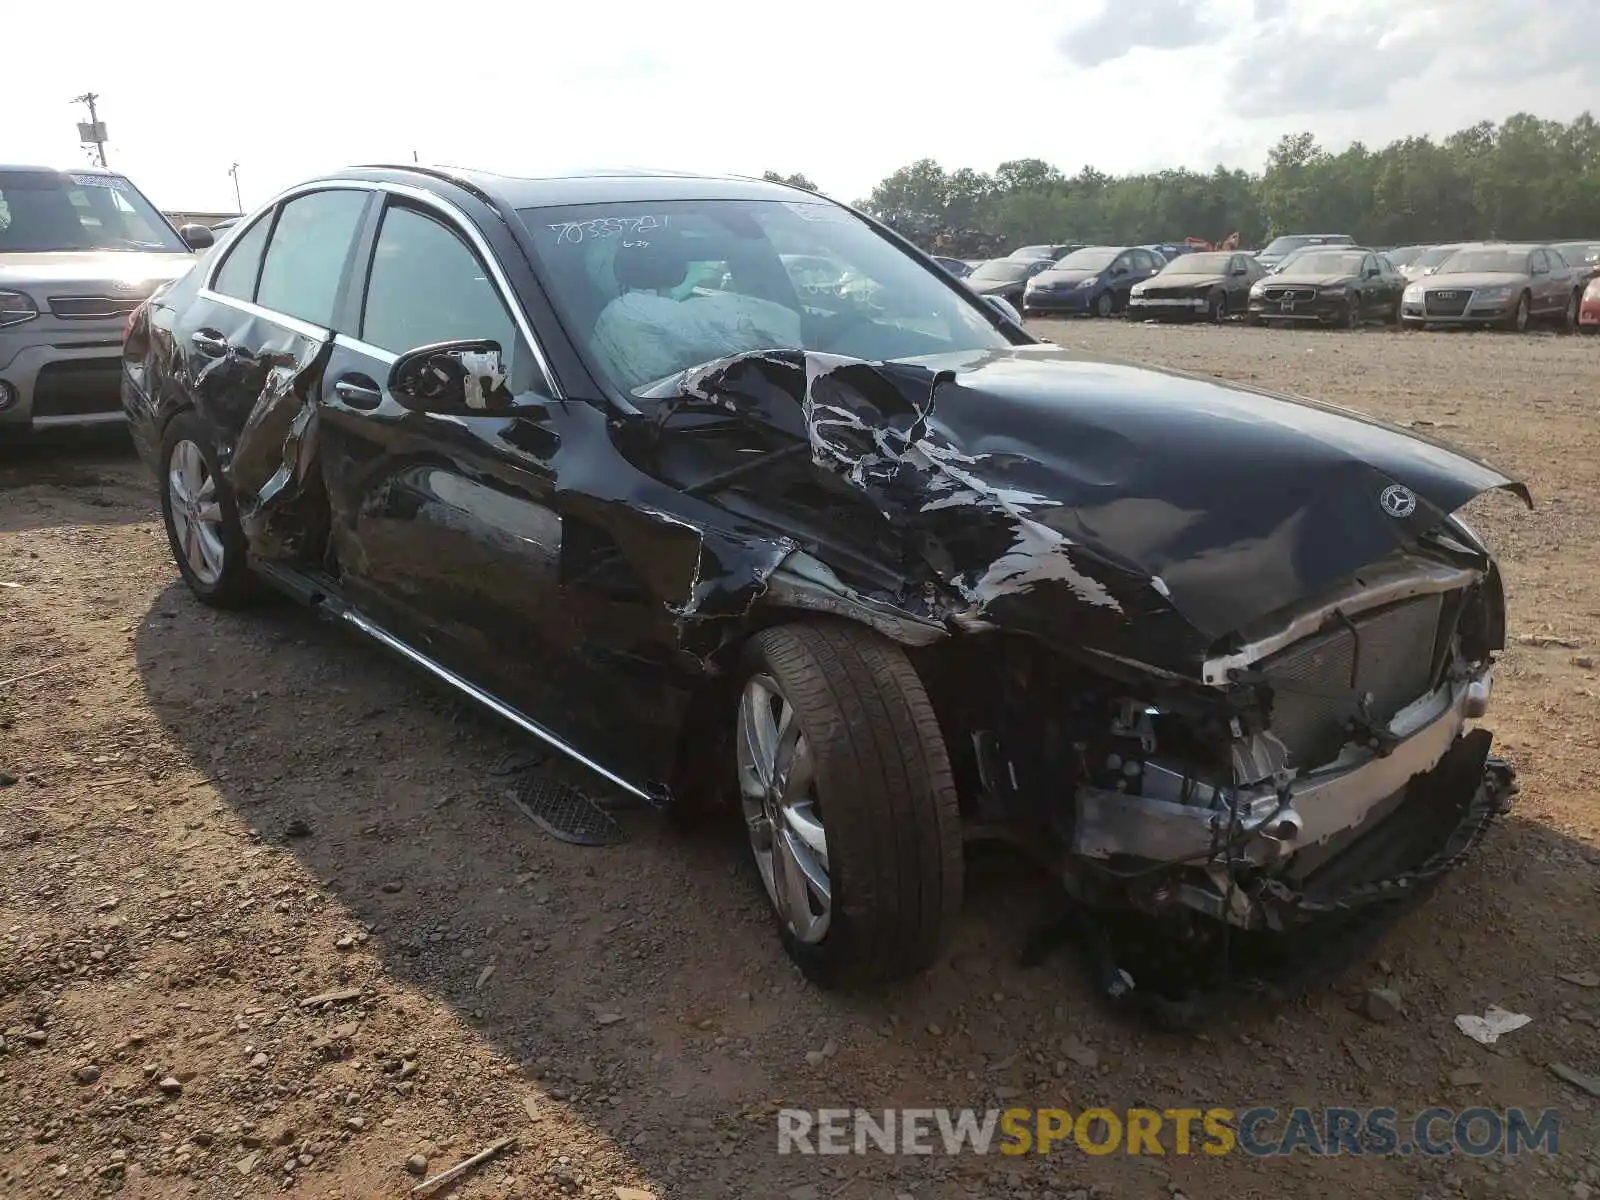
(1399, 502)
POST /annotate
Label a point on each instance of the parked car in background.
(955, 266)
(1589, 307)
(1006, 277)
(1334, 285)
(863, 585)
(1400, 256)
(1507, 284)
(1582, 257)
(1210, 284)
(1093, 282)
(79, 250)
(1279, 248)
(1428, 261)
(1055, 250)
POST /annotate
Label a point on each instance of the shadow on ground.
(642, 984)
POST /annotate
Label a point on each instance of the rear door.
(254, 342)
(1545, 298)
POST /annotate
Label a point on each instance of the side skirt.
(319, 594)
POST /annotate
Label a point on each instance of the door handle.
(209, 342)
(357, 391)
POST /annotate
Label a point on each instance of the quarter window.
(426, 285)
(237, 277)
(310, 245)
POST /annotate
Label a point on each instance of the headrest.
(656, 260)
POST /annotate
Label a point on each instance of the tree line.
(1525, 178)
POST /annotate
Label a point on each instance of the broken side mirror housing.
(462, 378)
(1005, 308)
(197, 237)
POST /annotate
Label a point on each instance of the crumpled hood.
(1141, 512)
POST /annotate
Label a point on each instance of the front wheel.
(1352, 313)
(1519, 317)
(1569, 319)
(197, 506)
(1217, 308)
(1103, 304)
(849, 802)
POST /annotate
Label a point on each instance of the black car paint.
(596, 567)
(1174, 282)
(1377, 297)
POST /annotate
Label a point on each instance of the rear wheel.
(848, 800)
(197, 506)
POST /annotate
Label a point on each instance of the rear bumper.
(67, 383)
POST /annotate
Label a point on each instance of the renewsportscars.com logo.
(1258, 1132)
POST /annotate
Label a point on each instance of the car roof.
(5, 166)
(597, 185)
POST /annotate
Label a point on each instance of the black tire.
(1254, 320)
(1352, 313)
(235, 586)
(1217, 308)
(885, 793)
(1520, 317)
(1569, 319)
(1104, 304)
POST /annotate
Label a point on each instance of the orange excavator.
(1231, 242)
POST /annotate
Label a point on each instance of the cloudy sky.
(843, 90)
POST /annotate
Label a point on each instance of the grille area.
(1451, 302)
(78, 387)
(1389, 654)
(1296, 294)
(91, 308)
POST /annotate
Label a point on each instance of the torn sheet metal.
(1137, 512)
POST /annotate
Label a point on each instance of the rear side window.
(427, 285)
(306, 258)
(237, 278)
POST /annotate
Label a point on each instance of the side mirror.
(451, 377)
(197, 237)
(1005, 308)
(1240, 270)
(1119, 270)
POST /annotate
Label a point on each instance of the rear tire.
(867, 776)
(202, 520)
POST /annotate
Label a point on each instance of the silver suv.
(79, 250)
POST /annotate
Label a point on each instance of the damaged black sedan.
(868, 569)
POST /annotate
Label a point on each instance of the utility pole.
(93, 131)
(238, 203)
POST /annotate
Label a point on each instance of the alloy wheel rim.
(777, 786)
(196, 512)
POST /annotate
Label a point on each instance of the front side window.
(648, 289)
(237, 275)
(311, 244)
(49, 211)
(427, 285)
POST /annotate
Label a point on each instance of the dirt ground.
(216, 819)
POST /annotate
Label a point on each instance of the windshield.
(1325, 262)
(1003, 270)
(43, 211)
(1433, 256)
(651, 288)
(1198, 264)
(1283, 245)
(1032, 252)
(1580, 254)
(1092, 258)
(1504, 262)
